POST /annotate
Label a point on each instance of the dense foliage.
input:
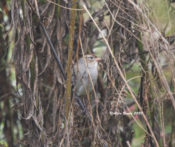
(133, 103)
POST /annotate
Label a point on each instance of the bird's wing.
(78, 75)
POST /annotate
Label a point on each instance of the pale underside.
(81, 76)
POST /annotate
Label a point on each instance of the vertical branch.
(144, 85)
(145, 89)
(7, 116)
(68, 71)
(79, 34)
(69, 61)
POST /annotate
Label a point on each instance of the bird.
(85, 74)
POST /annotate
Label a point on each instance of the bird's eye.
(91, 58)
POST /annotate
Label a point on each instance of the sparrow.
(85, 73)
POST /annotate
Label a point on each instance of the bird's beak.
(98, 59)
